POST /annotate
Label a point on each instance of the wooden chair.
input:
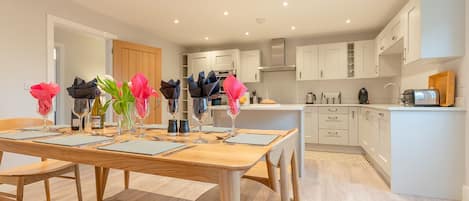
(282, 155)
(32, 173)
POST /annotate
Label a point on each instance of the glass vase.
(125, 119)
(233, 113)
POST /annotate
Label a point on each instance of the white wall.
(23, 50)
(83, 56)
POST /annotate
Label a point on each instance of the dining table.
(217, 161)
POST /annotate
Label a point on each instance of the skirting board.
(334, 148)
(465, 193)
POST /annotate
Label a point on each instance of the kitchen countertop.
(388, 107)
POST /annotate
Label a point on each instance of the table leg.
(230, 185)
(104, 181)
(98, 172)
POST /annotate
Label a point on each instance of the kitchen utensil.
(444, 82)
(363, 96)
(310, 98)
(331, 98)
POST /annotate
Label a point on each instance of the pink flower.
(140, 87)
(234, 90)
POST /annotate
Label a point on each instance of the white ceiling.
(205, 18)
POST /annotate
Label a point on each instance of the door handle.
(255, 76)
(353, 114)
(322, 74)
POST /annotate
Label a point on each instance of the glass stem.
(44, 122)
(80, 129)
(233, 121)
(141, 127)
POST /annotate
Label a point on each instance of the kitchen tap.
(393, 84)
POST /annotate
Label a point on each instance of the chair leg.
(284, 181)
(47, 189)
(126, 179)
(78, 182)
(19, 189)
(273, 180)
(294, 175)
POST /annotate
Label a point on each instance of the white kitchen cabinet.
(199, 62)
(364, 59)
(433, 30)
(250, 61)
(384, 142)
(364, 130)
(307, 63)
(311, 125)
(225, 60)
(333, 61)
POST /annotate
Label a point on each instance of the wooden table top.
(215, 154)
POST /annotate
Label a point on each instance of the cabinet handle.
(381, 115)
(353, 114)
(255, 76)
(300, 75)
(332, 118)
(394, 37)
(332, 110)
(322, 74)
(404, 55)
(332, 134)
(382, 48)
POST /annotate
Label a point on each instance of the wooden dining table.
(216, 162)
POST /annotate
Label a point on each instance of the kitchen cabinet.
(364, 59)
(353, 126)
(334, 125)
(222, 60)
(250, 61)
(225, 60)
(332, 61)
(311, 124)
(307, 66)
(433, 30)
(198, 62)
(384, 142)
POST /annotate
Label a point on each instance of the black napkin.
(83, 89)
(204, 87)
(170, 89)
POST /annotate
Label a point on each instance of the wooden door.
(129, 59)
(333, 61)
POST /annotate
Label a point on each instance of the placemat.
(155, 126)
(213, 129)
(39, 128)
(143, 147)
(27, 135)
(253, 139)
(75, 140)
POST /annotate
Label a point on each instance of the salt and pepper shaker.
(173, 127)
(184, 129)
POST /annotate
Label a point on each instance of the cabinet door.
(333, 61)
(373, 134)
(225, 60)
(199, 62)
(353, 126)
(412, 39)
(311, 125)
(365, 64)
(384, 145)
(364, 127)
(307, 63)
(250, 61)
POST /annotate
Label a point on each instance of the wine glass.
(44, 108)
(81, 107)
(200, 107)
(172, 110)
(142, 110)
(233, 114)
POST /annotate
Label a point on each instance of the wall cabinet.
(250, 61)
(222, 60)
(307, 66)
(332, 61)
(364, 59)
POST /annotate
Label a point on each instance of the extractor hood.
(277, 57)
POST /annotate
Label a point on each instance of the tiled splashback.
(283, 88)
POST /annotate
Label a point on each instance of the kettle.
(310, 98)
(363, 96)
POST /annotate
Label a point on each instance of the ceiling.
(199, 19)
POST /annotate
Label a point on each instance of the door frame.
(52, 22)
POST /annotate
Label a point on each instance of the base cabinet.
(311, 125)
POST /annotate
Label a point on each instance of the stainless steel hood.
(277, 57)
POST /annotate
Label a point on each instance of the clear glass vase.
(233, 113)
(125, 119)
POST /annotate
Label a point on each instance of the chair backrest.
(17, 123)
(285, 146)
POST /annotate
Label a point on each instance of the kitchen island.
(267, 117)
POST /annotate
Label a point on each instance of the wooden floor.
(328, 177)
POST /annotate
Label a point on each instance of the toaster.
(421, 97)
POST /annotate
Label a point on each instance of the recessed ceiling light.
(226, 13)
(285, 3)
(348, 21)
(176, 21)
(206, 38)
(292, 27)
(247, 33)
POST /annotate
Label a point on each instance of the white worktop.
(389, 107)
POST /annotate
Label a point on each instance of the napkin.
(44, 92)
(204, 87)
(234, 89)
(83, 89)
(170, 89)
(142, 91)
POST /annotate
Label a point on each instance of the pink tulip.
(140, 87)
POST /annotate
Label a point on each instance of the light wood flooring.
(328, 177)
